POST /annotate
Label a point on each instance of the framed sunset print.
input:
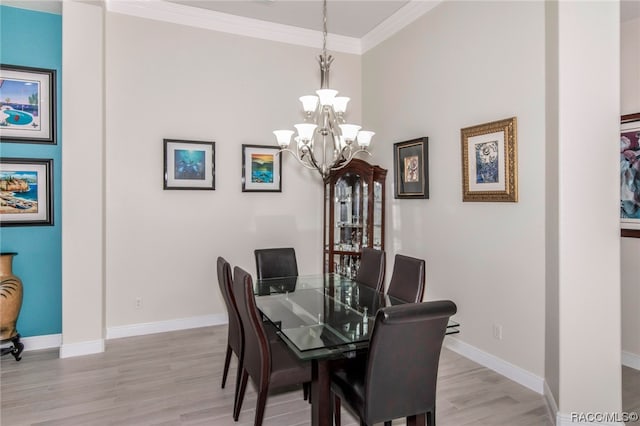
(261, 169)
(27, 104)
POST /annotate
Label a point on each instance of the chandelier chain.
(324, 28)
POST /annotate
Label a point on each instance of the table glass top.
(321, 315)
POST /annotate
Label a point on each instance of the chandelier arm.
(298, 159)
(350, 158)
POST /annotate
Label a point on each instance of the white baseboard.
(568, 420)
(631, 360)
(163, 326)
(82, 348)
(510, 371)
(35, 343)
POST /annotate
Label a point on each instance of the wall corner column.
(83, 214)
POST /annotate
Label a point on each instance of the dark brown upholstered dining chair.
(400, 375)
(407, 279)
(269, 363)
(276, 262)
(234, 333)
(371, 270)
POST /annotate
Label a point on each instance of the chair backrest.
(407, 279)
(406, 340)
(276, 262)
(225, 281)
(256, 354)
(371, 270)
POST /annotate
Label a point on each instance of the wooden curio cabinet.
(353, 215)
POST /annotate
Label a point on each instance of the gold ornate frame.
(503, 134)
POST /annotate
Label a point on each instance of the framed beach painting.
(26, 194)
(630, 175)
(189, 164)
(261, 168)
(411, 168)
(27, 104)
(490, 161)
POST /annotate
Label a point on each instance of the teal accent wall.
(34, 39)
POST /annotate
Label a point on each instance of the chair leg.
(336, 410)
(387, 423)
(227, 360)
(241, 390)
(260, 406)
(305, 391)
(431, 417)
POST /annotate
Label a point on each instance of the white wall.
(630, 247)
(588, 182)
(172, 81)
(552, 308)
(463, 64)
(83, 179)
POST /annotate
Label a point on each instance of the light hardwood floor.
(174, 379)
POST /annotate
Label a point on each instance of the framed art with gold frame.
(490, 161)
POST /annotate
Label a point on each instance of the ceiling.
(353, 18)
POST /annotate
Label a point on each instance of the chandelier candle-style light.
(324, 128)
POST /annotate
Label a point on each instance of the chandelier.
(325, 141)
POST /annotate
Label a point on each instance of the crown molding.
(394, 23)
(232, 24)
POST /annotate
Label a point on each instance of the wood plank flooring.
(174, 379)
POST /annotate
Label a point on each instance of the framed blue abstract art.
(189, 164)
(490, 162)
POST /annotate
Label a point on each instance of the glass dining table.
(321, 318)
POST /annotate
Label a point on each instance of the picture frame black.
(189, 164)
(26, 191)
(411, 168)
(261, 168)
(27, 104)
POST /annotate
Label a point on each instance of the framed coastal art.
(490, 161)
(26, 194)
(27, 104)
(411, 168)
(189, 164)
(630, 175)
(261, 168)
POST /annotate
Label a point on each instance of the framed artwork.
(27, 104)
(261, 168)
(26, 194)
(630, 175)
(490, 162)
(189, 164)
(411, 168)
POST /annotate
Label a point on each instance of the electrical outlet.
(497, 331)
(138, 302)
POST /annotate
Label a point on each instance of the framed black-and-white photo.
(189, 164)
(26, 191)
(27, 104)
